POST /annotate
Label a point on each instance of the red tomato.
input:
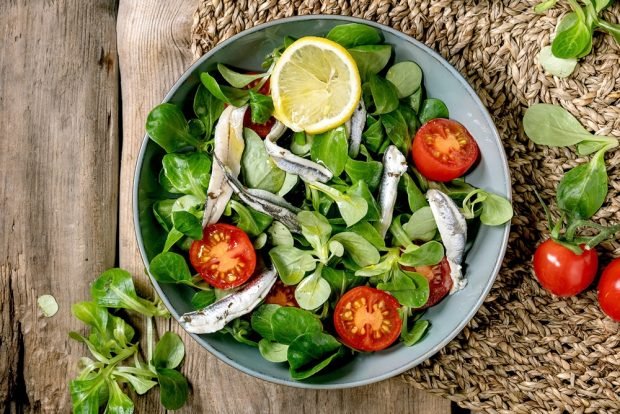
(609, 290)
(443, 150)
(439, 281)
(261, 129)
(281, 294)
(563, 272)
(367, 319)
(225, 257)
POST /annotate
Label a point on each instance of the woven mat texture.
(525, 351)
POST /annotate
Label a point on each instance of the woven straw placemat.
(525, 351)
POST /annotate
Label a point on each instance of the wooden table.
(76, 82)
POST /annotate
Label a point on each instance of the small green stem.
(572, 228)
(149, 339)
(603, 235)
(611, 28)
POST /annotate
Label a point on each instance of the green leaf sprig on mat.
(116, 355)
(573, 39)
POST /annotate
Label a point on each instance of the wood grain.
(58, 188)
(153, 42)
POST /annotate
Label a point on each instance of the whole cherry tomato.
(609, 290)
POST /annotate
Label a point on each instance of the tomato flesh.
(609, 290)
(281, 294)
(443, 150)
(563, 272)
(225, 257)
(261, 129)
(367, 319)
(439, 281)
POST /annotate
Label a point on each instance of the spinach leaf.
(428, 254)
(354, 34)
(203, 298)
(573, 37)
(331, 149)
(118, 401)
(411, 119)
(169, 351)
(406, 76)
(415, 100)
(544, 6)
(91, 314)
(261, 321)
(367, 171)
(421, 225)
(170, 267)
(85, 394)
(369, 233)
(291, 263)
(249, 220)
(310, 353)
(272, 351)
(173, 388)
(280, 235)
(316, 229)
(360, 250)
(374, 135)
(187, 224)
(384, 95)
(433, 108)
(409, 288)
(236, 79)
(413, 336)
(257, 167)
(288, 323)
(207, 108)
(290, 181)
(371, 59)
(196, 128)
(341, 280)
(167, 126)
(360, 188)
(312, 291)
(582, 190)
(496, 210)
(162, 210)
(415, 197)
(555, 65)
(188, 173)
(352, 207)
(397, 130)
(261, 107)
(227, 94)
(173, 237)
(301, 143)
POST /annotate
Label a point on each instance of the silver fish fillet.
(264, 201)
(229, 145)
(394, 166)
(215, 316)
(291, 163)
(453, 230)
(358, 120)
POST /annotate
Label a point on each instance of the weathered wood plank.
(58, 187)
(153, 41)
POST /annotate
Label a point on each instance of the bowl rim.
(471, 312)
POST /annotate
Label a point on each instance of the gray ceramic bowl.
(246, 50)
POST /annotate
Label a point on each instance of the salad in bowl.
(317, 208)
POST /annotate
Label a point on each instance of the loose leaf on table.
(249, 220)
(352, 208)
(118, 401)
(236, 79)
(169, 351)
(261, 107)
(555, 65)
(409, 288)
(312, 352)
(384, 95)
(291, 263)
(359, 249)
(406, 76)
(167, 126)
(170, 267)
(207, 108)
(331, 149)
(544, 6)
(173, 388)
(421, 225)
(433, 108)
(354, 34)
(428, 254)
(367, 171)
(573, 37)
(257, 167)
(85, 394)
(582, 190)
(91, 314)
(312, 291)
(188, 173)
(272, 351)
(371, 59)
(230, 95)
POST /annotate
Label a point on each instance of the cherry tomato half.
(563, 272)
(439, 281)
(225, 257)
(609, 290)
(281, 294)
(443, 150)
(367, 319)
(261, 129)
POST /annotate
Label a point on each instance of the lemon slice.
(315, 85)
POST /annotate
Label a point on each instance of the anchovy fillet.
(453, 230)
(358, 120)
(215, 316)
(229, 145)
(264, 201)
(291, 163)
(394, 166)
